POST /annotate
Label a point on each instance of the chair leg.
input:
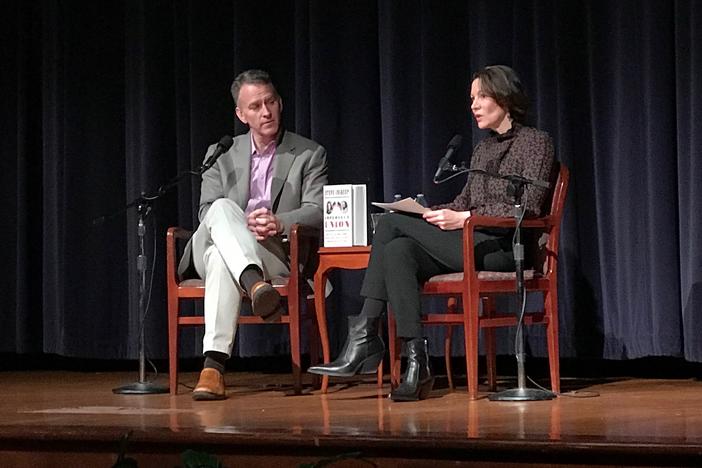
(294, 314)
(380, 366)
(447, 356)
(551, 309)
(173, 344)
(394, 349)
(450, 309)
(490, 351)
(490, 344)
(471, 305)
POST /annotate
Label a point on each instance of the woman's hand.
(447, 220)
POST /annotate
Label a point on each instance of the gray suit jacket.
(299, 175)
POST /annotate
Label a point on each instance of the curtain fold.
(106, 101)
(688, 100)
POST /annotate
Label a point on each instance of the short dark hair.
(252, 76)
(502, 84)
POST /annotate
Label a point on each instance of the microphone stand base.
(522, 394)
(140, 388)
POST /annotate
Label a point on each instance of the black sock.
(373, 308)
(251, 275)
(215, 360)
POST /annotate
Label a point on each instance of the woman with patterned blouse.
(408, 250)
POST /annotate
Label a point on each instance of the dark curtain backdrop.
(104, 100)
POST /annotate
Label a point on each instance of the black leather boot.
(362, 353)
(417, 380)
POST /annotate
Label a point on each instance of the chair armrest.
(176, 232)
(478, 221)
(304, 244)
(298, 232)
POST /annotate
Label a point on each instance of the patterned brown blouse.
(523, 151)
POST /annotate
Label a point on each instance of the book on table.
(345, 215)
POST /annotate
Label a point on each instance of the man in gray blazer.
(268, 180)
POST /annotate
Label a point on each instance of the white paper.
(408, 205)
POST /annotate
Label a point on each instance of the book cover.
(345, 223)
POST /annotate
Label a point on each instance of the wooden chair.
(474, 287)
(293, 288)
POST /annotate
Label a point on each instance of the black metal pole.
(521, 393)
(141, 387)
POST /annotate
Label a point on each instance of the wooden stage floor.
(73, 419)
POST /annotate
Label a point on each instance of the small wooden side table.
(330, 258)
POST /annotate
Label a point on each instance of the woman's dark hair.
(502, 84)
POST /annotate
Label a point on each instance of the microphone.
(445, 163)
(222, 147)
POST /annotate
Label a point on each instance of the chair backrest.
(555, 214)
(560, 179)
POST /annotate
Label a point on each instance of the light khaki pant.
(222, 248)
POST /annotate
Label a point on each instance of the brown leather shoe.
(210, 386)
(265, 301)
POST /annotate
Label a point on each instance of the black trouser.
(407, 251)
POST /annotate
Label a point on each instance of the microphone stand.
(143, 206)
(521, 393)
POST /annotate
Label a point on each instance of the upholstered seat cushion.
(484, 276)
(198, 283)
(192, 283)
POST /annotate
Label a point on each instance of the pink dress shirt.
(261, 177)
